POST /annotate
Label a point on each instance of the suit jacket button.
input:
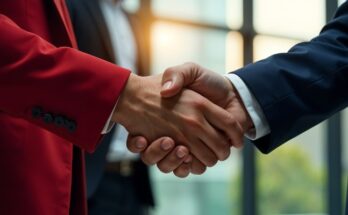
(59, 121)
(36, 112)
(70, 125)
(48, 118)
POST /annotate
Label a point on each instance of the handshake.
(183, 120)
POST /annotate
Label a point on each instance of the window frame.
(334, 129)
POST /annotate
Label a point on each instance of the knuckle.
(191, 64)
(191, 121)
(222, 147)
(169, 71)
(146, 160)
(225, 153)
(239, 144)
(199, 171)
(181, 139)
(163, 168)
(199, 103)
(230, 121)
(181, 176)
(197, 167)
(211, 162)
(181, 173)
(194, 122)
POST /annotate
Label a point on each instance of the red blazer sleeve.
(65, 91)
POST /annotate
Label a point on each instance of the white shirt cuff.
(109, 124)
(261, 126)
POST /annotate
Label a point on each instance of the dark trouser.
(115, 196)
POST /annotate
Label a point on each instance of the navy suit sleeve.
(301, 88)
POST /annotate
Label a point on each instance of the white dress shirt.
(125, 52)
(261, 127)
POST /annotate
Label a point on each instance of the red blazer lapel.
(65, 17)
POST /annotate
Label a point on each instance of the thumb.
(174, 79)
(172, 82)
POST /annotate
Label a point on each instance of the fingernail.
(181, 153)
(166, 145)
(167, 85)
(140, 144)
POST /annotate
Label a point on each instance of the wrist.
(246, 122)
(125, 99)
(243, 116)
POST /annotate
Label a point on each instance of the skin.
(214, 87)
(192, 121)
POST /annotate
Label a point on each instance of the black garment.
(116, 194)
(93, 38)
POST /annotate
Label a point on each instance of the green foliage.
(287, 182)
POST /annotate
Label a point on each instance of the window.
(341, 2)
(292, 19)
(174, 44)
(206, 37)
(345, 150)
(131, 6)
(265, 46)
(224, 12)
(292, 179)
(295, 184)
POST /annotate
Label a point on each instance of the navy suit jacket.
(93, 38)
(301, 88)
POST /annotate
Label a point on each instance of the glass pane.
(131, 5)
(291, 179)
(266, 46)
(176, 44)
(345, 152)
(341, 2)
(290, 18)
(214, 192)
(222, 12)
(234, 51)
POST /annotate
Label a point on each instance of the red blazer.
(51, 97)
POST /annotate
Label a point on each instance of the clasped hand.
(189, 107)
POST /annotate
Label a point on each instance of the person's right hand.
(188, 118)
(209, 84)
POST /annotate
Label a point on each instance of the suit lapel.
(95, 10)
(64, 16)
